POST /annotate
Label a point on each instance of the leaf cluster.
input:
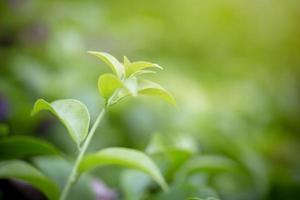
(123, 82)
(126, 81)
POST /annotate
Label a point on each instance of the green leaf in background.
(124, 157)
(23, 171)
(72, 113)
(134, 67)
(162, 143)
(58, 169)
(4, 129)
(108, 84)
(17, 147)
(186, 189)
(208, 163)
(172, 150)
(147, 87)
(111, 61)
(196, 198)
(134, 183)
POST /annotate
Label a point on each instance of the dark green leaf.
(4, 129)
(23, 171)
(23, 147)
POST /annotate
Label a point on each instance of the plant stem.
(74, 175)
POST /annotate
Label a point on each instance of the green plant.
(192, 174)
(189, 174)
(125, 81)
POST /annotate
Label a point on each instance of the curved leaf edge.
(47, 106)
(48, 147)
(112, 156)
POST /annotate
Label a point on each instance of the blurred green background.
(232, 65)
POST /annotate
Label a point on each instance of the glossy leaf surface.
(150, 88)
(134, 67)
(123, 157)
(72, 113)
(108, 84)
(111, 61)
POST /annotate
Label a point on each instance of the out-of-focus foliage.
(24, 147)
(232, 65)
(25, 172)
(75, 117)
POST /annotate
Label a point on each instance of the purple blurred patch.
(34, 34)
(44, 126)
(4, 109)
(102, 191)
(28, 191)
(12, 189)
(14, 4)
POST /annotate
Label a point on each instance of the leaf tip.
(172, 101)
(91, 52)
(36, 109)
(126, 60)
(95, 53)
(158, 66)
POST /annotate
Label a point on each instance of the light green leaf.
(163, 143)
(142, 72)
(150, 88)
(108, 84)
(23, 171)
(111, 61)
(146, 87)
(124, 157)
(126, 61)
(72, 113)
(134, 67)
(23, 147)
(131, 84)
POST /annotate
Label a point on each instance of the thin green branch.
(74, 175)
